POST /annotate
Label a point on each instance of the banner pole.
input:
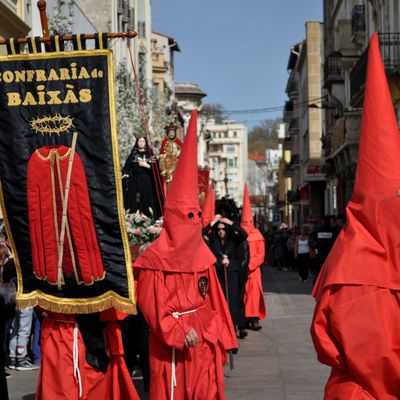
(41, 5)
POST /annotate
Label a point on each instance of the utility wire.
(272, 109)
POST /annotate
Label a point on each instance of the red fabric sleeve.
(355, 330)
(324, 342)
(153, 302)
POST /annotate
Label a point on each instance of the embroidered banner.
(47, 99)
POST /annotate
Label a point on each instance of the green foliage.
(264, 136)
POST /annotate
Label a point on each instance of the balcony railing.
(292, 196)
(288, 111)
(287, 143)
(293, 88)
(294, 160)
(390, 49)
(333, 71)
(294, 125)
(358, 19)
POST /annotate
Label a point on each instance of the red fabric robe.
(178, 291)
(254, 295)
(46, 178)
(355, 327)
(199, 372)
(56, 377)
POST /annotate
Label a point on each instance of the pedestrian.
(290, 246)
(280, 239)
(355, 328)
(180, 297)
(302, 253)
(254, 297)
(325, 237)
(21, 327)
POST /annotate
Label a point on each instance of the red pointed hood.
(367, 250)
(246, 221)
(209, 206)
(180, 247)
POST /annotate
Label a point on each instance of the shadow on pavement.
(280, 281)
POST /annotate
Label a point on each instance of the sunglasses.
(221, 229)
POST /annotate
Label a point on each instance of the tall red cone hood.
(180, 247)
(367, 250)
(209, 207)
(246, 221)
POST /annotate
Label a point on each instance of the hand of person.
(226, 221)
(225, 261)
(216, 219)
(191, 339)
(124, 176)
(144, 164)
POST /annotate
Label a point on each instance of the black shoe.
(242, 334)
(256, 326)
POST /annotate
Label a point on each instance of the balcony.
(288, 171)
(288, 111)
(287, 143)
(390, 50)
(294, 126)
(293, 88)
(292, 196)
(327, 144)
(333, 71)
(358, 19)
(295, 160)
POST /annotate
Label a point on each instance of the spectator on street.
(302, 253)
(20, 333)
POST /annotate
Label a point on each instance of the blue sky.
(236, 50)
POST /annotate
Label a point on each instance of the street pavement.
(276, 363)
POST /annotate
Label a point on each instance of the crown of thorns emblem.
(51, 124)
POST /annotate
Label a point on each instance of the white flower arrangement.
(142, 229)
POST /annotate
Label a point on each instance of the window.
(229, 149)
(232, 162)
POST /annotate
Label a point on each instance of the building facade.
(227, 158)
(15, 19)
(303, 114)
(348, 25)
(163, 48)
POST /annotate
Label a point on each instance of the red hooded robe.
(174, 273)
(66, 375)
(209, 207)
(254, 297)
(357, 317)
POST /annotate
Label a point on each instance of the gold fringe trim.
(81, 307)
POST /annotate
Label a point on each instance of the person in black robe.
(225, 239)
(141, 180)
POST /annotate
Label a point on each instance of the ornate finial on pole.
(41, 4)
